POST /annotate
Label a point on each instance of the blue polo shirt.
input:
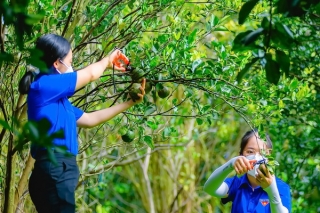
(244, 200)
(48, 98)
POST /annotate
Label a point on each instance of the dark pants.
(52, 187)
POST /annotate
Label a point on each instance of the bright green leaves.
(246, 9)
(148, 140)
(192, 37)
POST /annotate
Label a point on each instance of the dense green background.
(230, 66)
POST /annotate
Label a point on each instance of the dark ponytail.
(52, 47)
(25, 82)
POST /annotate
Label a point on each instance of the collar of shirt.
(244, 181)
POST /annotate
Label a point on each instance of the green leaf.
(246, 69)
(6, 57)
(221, 28)
(58, 134)
(5, 125)
(284, 31)
(33, 18)
(195, 64)
(166, 132)
(265, 23)
(149, 110)
(288, 31)
(192, 36)
(206, 108)
(214, 20)
(238, 42)
(224, 18)
(284, 61)
(152, 125)
(246, 9)
(33, 131)
(294, 84)
(252, 37)
(272, 70)
(148, 140)
(199, 121)
(103, 98)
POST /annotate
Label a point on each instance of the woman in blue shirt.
(253, 192)
(52, 187)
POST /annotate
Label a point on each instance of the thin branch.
(115, 3)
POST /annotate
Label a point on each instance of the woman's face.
(254, 146)
(63, 64)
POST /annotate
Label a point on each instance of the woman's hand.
(142, 88)
(117, 60)
(264, 180)
(242, 165)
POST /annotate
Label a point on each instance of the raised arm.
(95, 70)
(95, 118)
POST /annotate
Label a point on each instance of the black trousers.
(52, 187)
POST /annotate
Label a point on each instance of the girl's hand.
(142, 88)
(264, 180)
(118, 60)
(242, 165)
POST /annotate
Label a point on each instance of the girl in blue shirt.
(52, 187)
(250, 190)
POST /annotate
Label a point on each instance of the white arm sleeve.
(274, 198)
(215, 185)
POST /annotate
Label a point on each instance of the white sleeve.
(274, 198)
(215, 185)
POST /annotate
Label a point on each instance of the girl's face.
(254, 146)
(62, 65)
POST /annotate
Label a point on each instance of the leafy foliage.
(223, 79)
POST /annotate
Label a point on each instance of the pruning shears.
(128, 68)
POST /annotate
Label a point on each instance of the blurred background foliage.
(228, 66)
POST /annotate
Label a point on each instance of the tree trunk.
(9, 187)
(23, 180)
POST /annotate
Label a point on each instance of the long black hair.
(52, 47)
(245, 138)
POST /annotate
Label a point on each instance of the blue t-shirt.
(244, 200)
(48, 98)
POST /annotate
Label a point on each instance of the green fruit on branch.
(263, 169)
(128, 137)
(137, 75)
(164, 92)
(148, 87)
(270, 166)
(134, 91)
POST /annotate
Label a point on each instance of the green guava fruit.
(164, 92)
(134, 91)
(128, 137)
(137, 75)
